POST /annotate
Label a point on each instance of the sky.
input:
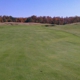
(53, 8)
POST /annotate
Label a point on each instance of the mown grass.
(40, 53)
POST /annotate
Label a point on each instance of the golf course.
(37, 52)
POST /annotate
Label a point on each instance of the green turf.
(40, 53)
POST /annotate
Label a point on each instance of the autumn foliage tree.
(41, 19)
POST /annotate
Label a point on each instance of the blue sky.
(26, 8)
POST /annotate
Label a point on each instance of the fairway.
(36, 52)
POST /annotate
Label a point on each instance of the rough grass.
(40, 53)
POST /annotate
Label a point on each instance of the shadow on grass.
(51, 25)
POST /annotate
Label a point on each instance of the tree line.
(41, 19)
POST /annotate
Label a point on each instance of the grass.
(40, 53)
